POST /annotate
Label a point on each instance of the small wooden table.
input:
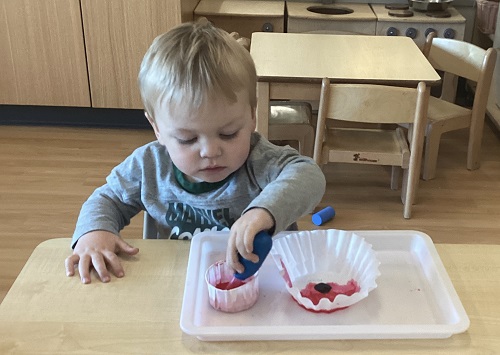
(47, 312)
(292, 65)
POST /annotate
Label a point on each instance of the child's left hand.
(242, 235)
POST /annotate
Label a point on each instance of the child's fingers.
(254, 258)
(100, 267)
(123, 246)
(248, 240)
(114, 264)
(232, 253)
(84, 269)
(70, 263)
(245, 247)
(236, 266)
(233, 262)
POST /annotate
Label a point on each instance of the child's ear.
(254, 118)
(153, 124)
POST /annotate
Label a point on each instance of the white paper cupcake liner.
(234, 300)
(326, 256)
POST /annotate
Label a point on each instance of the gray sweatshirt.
(275, 178)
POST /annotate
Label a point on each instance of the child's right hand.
(98, 249)
(242, 234)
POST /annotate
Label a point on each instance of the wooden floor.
(46, 173)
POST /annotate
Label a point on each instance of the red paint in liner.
(329, 290)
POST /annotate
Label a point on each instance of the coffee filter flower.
(326, 256)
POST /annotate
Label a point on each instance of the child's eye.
(229, 136)
(186, 141)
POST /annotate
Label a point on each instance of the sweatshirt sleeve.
(292, 184)
(111, 206)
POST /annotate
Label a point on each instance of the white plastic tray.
(414, 298)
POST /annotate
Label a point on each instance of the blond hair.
(192, 63)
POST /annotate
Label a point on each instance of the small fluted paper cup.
(234, 300)
(334, 257)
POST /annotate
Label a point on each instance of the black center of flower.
(322, 287)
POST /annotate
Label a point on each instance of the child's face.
(208, 144)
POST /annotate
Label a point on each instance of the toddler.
(208, 168)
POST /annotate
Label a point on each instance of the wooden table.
(292, 65)
(47, 312)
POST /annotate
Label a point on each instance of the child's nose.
(210, 149)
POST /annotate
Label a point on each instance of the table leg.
(263, 108)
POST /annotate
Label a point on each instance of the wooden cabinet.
(87, 53)
(80, 52)
(243, 16)
(117, 34)
(42, 55)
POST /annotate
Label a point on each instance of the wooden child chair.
(373, 104)
(290, 120)
(457, 59)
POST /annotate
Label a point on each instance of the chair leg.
(431, 149)
(149, 230)
(474, 148)
(407, 210)
(306, 145)
(404, 187)
(395, 177)
(408, 193)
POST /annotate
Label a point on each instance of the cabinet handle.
(267, 27)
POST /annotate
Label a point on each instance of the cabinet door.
(42, 55)
(117, 35)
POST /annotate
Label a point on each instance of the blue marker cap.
(262, 244)
(323, 216)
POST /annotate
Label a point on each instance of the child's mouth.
(212, 169)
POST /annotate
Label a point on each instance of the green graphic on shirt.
(186, 220)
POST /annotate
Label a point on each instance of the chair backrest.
(461, 59)
(457, 57)
(369, 103)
